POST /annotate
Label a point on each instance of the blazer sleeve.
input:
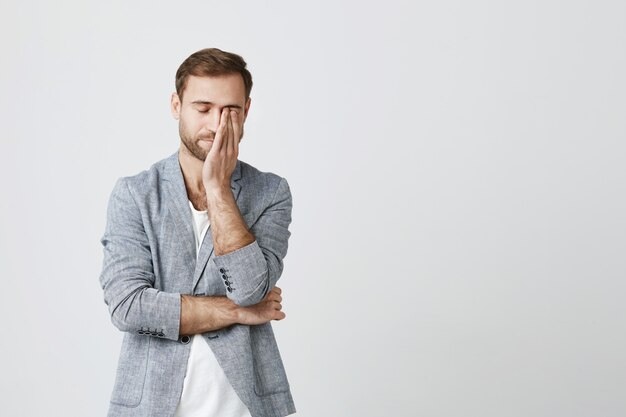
(127, 276)
(250, 272)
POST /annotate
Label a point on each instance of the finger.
(226, 142)
(227, 133)
(277, 290)
(236, 131)
(231, 131)
(272, 296)
(278, 306)
(221, 133)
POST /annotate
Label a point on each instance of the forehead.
(216, 89)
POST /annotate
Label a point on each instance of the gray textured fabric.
(150, 259)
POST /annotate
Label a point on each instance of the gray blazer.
(150, 259)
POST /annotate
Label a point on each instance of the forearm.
(253, 266)
(228, 227)
(199, 314)
(136, 308)
(207, 313)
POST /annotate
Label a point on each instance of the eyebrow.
(236, 106)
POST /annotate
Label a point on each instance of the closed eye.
(203, 111)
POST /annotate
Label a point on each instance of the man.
(193, 248)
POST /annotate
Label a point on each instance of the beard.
(192, 141)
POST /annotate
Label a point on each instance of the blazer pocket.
(269, 372)
(131, 370)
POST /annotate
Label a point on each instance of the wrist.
(218, 192)
(228, 311)
(231, 311)
(236, 314)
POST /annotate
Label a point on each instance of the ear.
(246, 108)
(175, 105)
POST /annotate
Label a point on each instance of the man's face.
(199, 112)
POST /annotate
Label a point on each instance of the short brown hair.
(212, 62)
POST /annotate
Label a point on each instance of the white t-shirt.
(206, 390)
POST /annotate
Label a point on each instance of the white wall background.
(457, 168)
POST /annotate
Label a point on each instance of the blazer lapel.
(178, 206)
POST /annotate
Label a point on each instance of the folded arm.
(127, 276)
(201, 314)
(127, 280)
